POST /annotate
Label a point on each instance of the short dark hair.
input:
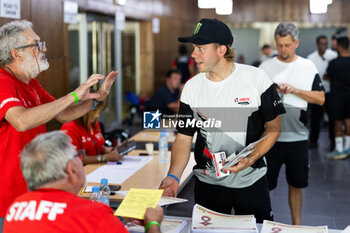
(320, 37)
(266, 46)
(343, 42)
(172, 71)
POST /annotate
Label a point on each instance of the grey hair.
(11, 36)
(45, 158)
(285, 29)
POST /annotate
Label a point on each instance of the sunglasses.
(80, 154)
(40, 45)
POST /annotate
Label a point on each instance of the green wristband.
(75, 97)
(150, 224)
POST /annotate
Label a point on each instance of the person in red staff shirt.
(25, 106)
(86, 135)
(54, 172)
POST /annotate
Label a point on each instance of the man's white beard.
(30, 67)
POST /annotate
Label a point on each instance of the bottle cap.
(104, 181)
(162, 133)
(95, 189)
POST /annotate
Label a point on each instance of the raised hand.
(105, 88)
(83, 91)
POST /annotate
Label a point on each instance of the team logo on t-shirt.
(151, 120)
(242, 101)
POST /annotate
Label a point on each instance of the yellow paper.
(137, 201)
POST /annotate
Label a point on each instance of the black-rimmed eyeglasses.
(80, 154)
(40, 44)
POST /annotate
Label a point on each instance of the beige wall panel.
(53, 79)
(146, 58)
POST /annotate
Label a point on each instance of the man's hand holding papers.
(243, 159)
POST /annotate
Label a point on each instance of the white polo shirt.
(321, 64)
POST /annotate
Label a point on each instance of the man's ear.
(15, 54)
(71, 172)
(222, 50)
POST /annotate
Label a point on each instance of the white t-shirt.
(301, 74)
(242, 102)
(321, 64)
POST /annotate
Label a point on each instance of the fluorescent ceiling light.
(121, 2)
(206, 4)
(318, 6)
(224, 7)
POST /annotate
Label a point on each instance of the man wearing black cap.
(232, 105)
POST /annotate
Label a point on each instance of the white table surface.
(187, 228)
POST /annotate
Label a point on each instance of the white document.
(346, 230)
(205, 220)
(166, 226)
(163, 200)
(117, 174)
(233, 158)
(270, 226)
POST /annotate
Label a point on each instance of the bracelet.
(105, 158)
(93, 103)
(150, 224)
(75, 97)
(177, 179)
(98, 158)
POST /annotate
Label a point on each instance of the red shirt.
(92, 143)
(52, 210)
(14, 92)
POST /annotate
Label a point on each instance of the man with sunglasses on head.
(25, 106)
(55, 174)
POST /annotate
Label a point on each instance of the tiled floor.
(325, 202)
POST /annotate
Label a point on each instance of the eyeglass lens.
(41, 45)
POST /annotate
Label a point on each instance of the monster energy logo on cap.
(199, 25)
(210, 31)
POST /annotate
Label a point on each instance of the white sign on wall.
(10, 9)
(155, 25)
(70, 12)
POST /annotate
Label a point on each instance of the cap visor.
(194, 40)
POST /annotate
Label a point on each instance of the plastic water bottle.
(104, 192)
(94, 194)
(163, 147)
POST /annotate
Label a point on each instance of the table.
(151, 135)
(188, 226)
(148, 177)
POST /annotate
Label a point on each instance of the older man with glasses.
(25, 106)
(54, 172)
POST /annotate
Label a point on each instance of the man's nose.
(194, 54)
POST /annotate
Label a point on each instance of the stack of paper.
(167, 226)
(269, 226)
(137, 201)
(205, 220)
(117, 174)
(346, 230)
(233, 158)
(163, 200)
